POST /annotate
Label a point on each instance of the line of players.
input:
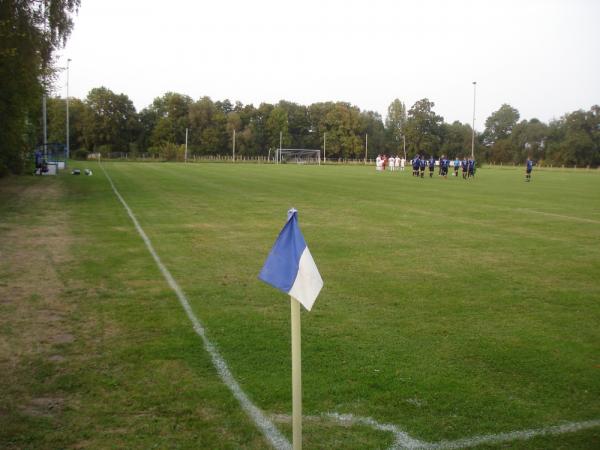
(420, 163)
(392, 163)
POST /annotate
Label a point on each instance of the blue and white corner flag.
(290, 266)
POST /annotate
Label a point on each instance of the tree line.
(30, 33)
(32, 30)
(107, 122)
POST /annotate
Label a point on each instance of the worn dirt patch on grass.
(43, 406)
(34, 242)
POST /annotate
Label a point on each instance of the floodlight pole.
(68, 145)
(324, 146)
(44, 120)
(45, 128)
(186, 147)
(366, 146)
(280, 142)
(233, 154)
(473, 137)
(404, 145)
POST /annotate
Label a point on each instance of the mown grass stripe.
(258, 417)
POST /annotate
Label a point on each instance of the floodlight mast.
(45, 137)
(280, 141)
(186, 146)
(68, 146)
(44, 126)
(473, 137)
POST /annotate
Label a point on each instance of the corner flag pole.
(296, 376)
(291, 268)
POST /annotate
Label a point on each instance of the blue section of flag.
(281, 267)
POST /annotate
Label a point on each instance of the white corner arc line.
(522, 435)
(403, 441)
(267, 427)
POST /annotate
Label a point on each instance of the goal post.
(300, 156)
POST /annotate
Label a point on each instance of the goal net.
(299, 156)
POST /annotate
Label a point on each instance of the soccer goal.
(300, 156)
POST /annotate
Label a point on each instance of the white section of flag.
(308, 282)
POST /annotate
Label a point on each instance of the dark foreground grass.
(451, 308)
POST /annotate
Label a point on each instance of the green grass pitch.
(450, 309)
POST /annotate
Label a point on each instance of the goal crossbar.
(300, 155)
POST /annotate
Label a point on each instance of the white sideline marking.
(262, 422)
(403, 440)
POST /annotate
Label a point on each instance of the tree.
(110, 120)
(372, 125)
(424, 130)
(395, 124)
(500, 124)
(457, 139)
(208, 122)
(277, 123)
(575, 139)
(225, 106)
(298, 124)
(344, 131)
(498, 132)
(528, 139)
(258, 127)
(502, 151)
(316, 113)
(171, 117)
(30, 32)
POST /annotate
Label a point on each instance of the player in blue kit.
(415, 166)
(431, 165)
(471, 166)
(423, 163)
(444, 166)
(464, 165)
(456, 166)
(528, 169)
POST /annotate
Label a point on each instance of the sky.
(541, 57)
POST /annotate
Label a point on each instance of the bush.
(105, 150)
(172, 152)
(81, 154)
